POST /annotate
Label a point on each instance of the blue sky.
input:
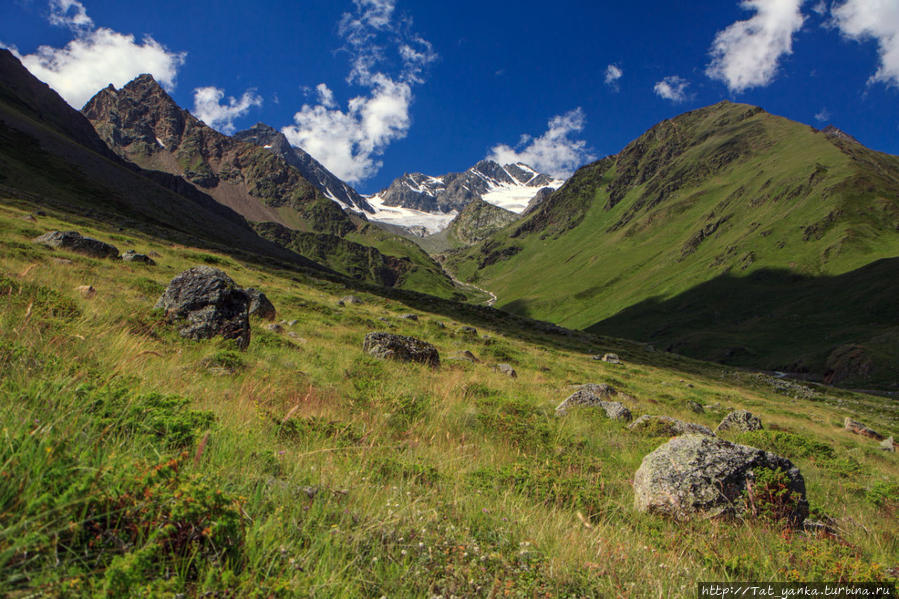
(376, 88)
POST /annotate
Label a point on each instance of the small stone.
(888, 445)
(260, 305)
(507, 370)
(30, 218)
(468, 331)
(611, 359)
(350, 299)
(695, 406)
(86, 291)
(464, 356)
(409, 317)
(132, 256)
(860, 429)
(666, 426)
(741, 421)
(275, 328)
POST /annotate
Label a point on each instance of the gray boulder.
(708, 477)
(350, 299)
(861, 429)
(593, 395)
(388, 346)
(740, 421)
(888, 445)
(208, 303)
(507, 370)
(666, 426)
(74, 242)
(468, 331)
(409, 317)
(132, 256)
(260, 305)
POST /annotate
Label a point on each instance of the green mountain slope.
(725, 190)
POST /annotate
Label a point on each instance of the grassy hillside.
(135, 462)
(723, 191)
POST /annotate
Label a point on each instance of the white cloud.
(820, 8)
(69, 13)
(877, 19)
(613, 74)
(97, 57)
(672, 88)
(746, 54)
(208, 107)
(823, 116)
(555, 152)
(350, 141)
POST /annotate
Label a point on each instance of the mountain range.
(726, 233)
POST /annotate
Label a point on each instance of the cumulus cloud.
(747, 53)
(208, 107)
(556, 152)
(878, 20)
(97, 57)
(672, 88)
(613, 74)
(387, 59)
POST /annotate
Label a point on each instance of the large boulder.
(260, 305)
(388, 346)
(707, 477)
(507, 370)
(75, 242)
(666, 426)
(740, 421)
(596, 395)
(208, 303)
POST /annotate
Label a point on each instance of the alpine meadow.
(250, 350)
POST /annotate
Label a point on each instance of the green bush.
(789, 445)
(768, 496)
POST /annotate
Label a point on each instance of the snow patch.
(433, 222)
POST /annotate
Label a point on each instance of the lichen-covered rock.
(75, 242)
(350, 299)
(707, 477)
(861, 429)
(468, 331)
(209, 303)
(388, 346)
(666, 426)
(260, 305)
(133, 256)
(740, 421)
(596, 395)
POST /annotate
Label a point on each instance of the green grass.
(136, 463)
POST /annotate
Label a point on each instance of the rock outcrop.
(75, 242)
(207, 303)
(388, 346)
(133, 256)
(706, 477)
